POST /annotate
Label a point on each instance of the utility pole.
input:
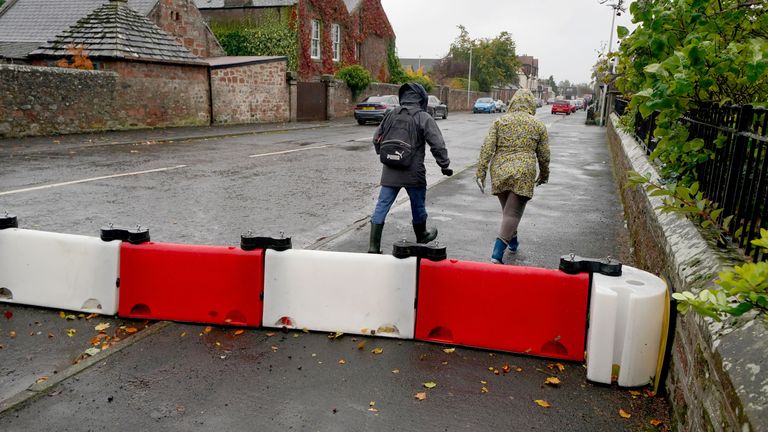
(617, 9)
(469, 77)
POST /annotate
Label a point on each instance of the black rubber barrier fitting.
(8, 221)
(573, 264)
(430, 251)
(249, 242)
(135, 235)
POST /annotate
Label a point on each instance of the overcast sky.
(565, 35)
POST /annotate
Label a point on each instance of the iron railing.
(643, 126)
(736, 176)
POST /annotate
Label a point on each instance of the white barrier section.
(61, 271)
(353, 293)
(625, 325)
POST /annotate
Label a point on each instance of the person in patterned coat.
(516, 143)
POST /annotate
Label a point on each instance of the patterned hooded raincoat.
(514, 145)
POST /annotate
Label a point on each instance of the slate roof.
(23, 22)
(223, 4)
(119, 32)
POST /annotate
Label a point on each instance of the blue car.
(484, 105)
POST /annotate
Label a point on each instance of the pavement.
(173, 376)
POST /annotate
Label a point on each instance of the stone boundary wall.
(717, 378)
(46, 101)
(250, 93)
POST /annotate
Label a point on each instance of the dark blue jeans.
(387, 195)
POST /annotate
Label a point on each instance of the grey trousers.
(512, 206)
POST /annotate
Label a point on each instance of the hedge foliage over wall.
(271, 36)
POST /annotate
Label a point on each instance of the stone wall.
(182, 19)
(45, 101)
(716, 379)
(159, 95)
(250, 93)
(125, 95)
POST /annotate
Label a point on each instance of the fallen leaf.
(50, 335)
(8, 315)
(377, 350)
(305, 330)
(395, 371)
(421, 396)
(342, 361)
(496, 372)
(131, 330)
(183, 334)
(483, 382)
(70, 317)
(449, 350)
(542, 403)
(228, 320)
(490, 368)
(558, 366)
(371, 407)
(12, 334)
(361, 345)
(238, 332)
(71, 332)
(506, 368)
(92, 351)
(552, 381)
(62, 314)
(386, 329)
(274, 348)
(518, 369)
(205, 330)
(295, 335)
(430, 385)
(335, 335)
(635, 393)
(218, 344)
(2, 346)
(484, 390)
(656, 423)
(364, 330)
(269, 334)
(445, 363)
(91, 316)
(624, 414)
(43, 378)
(103, 326)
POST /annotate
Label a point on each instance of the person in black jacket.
(413, 177)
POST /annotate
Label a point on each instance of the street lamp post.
(617, 9)
(469, 76)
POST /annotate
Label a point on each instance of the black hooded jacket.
(415, 98)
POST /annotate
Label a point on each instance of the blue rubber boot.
(513, 245)
(497, 257)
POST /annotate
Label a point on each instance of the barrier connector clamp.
(573, 264)
(8, 220)
(249, 242)
(135, 235)
(430, 251)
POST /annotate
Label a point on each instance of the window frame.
(336, 42)
(314, 39)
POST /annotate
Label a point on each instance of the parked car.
(550, 101)
(374, 108)
(561, 106)
(435, 108)
(500, 106)
(574, 105)
(486, 105)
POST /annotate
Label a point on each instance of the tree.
(493, 60)
(551, 83)
(687, 52)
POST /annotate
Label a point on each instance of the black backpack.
(398, 141)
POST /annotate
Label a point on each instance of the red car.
(561, 106)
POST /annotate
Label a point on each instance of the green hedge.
(267, 38)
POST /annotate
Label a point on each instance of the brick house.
(27, 24)
(331, 33)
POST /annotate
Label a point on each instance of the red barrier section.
(202, 284)
(518, 309)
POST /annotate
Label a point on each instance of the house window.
(336, 41)
(314, 44)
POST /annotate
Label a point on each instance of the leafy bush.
(461, 84)
(357, 78)
(396, 72)
(420, 77)
(269, 37)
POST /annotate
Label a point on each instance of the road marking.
(291, 151)
(90, 180)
